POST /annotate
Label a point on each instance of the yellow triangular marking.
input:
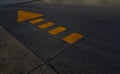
(23, 15)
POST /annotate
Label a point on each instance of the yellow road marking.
(23, 15)
(37, 20)
(57, 30)
(72, 38)
(46, 25)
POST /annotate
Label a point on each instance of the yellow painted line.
(37, 20)
(24, 15)
(46, 25)
(57, 30)
(72, 38)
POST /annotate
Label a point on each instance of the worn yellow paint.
(23, 15)
(72, 38)
(46, 25)
(57, 30)
(38, 20)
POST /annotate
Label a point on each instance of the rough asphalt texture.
(97, 53)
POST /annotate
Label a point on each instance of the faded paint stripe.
(37, 20)
(72, 38)
(46, 25)
(57, 30)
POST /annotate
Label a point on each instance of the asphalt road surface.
(9, 2)
(72, 39)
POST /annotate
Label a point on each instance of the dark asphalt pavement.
(9, 2)
(98, 52)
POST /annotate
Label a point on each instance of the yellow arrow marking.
(23, 15)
